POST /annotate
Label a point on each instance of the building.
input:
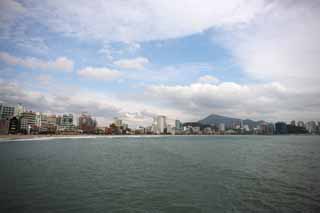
(264, 129)
(117, 122)
(169, 129)
(87, 124)
(6, 111)
(208, 131)
(281, 128)
(196, 130)
(42, 122)
(178, 125)
(161, 124)
(52, 124)
(14, 125)
(65, 122)
(293, 123)
(19, 109)
(4, 126)
(222, 127)
(27, 122)
(300, 124)
(311, 127)
(52, 120)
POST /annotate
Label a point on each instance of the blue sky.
(136, 59)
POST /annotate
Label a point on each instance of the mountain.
(214, 119)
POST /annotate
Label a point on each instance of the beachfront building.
(311, 126)
(27, 122)
(66, 123)
(86, 123)
(6, 111)
(222, 127)
(19, 109)
(281, 128)
(42, 122)
(118, 122)
(14, 125)
(300, 124)
(160, 123)
(178, 125)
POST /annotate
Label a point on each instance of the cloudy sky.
(181, 58)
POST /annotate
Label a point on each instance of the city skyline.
(139, 59)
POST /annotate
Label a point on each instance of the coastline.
(8, 138)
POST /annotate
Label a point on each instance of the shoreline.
(4, 138)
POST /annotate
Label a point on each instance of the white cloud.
(270, 101)
(281, 44)
(60, 64)
(103, 73)
(139, 20)
(134, 63)
(208, 79)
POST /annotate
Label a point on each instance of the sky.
(185, 59)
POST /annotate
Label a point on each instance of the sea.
(159, 174)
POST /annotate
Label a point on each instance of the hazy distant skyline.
(184, 59)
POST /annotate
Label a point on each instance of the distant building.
(86, 123)
(293, 123)
(169, 129)
(222, 127)
(65, 122)
(6, 111)
(42, 122)
(265, 129)
(246, 128)
(178, 125)
(196, 130)
(52, 120)
(19, 109)
(14, 125)
(281, 128)
(52, 124)
(27, 122)
(4, 126)
(208, 131)
(300, 124)
(117, 122)
(311, 127)
(160, 124)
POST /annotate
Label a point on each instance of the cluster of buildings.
(18, 120)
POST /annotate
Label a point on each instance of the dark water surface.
(162, 174)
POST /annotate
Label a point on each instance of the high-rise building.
(42, 122)
(27, 122)
(311, 126)
(86, 123)
(293, 123)
(52, 120)
(246, 128)
(160, 124)
(19, 109)
(66, 123)
(281, 128)
(6, 111)
(178, 125)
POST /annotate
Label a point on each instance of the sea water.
(161, 174)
